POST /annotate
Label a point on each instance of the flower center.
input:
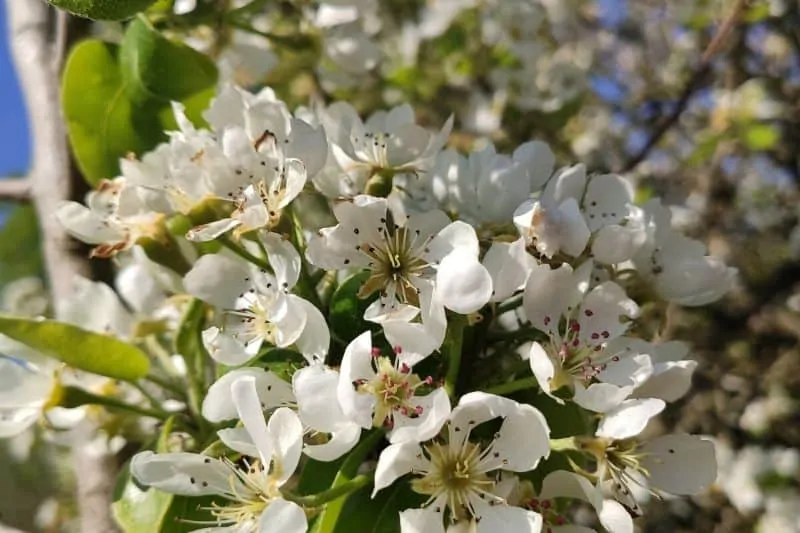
(250, 322)
(395, 262)
(458, 474)
(251, 492)
(394, 389)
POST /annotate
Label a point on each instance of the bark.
(37, 35)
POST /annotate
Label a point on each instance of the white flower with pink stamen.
(579, 325)
(376, 390)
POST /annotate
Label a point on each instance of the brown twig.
(30, 28)
(694, 83)
(15, 190)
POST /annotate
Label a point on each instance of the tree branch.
(15, 190)
(32, 29)
(694, 83)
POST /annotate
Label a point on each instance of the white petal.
(238, 440)
(315, 387)
(606, 200)
(507, 518)
(539, 161)
(248, 405)
(286, 432)
(615, 518)
(547, 294)
(670, 381)
(680, 464)
(283, 258)
(309, 145)
(96, 307)
(457, 235)
(86, 225)
(218, 404)
(600, 397)
(212, 230)
(616, 244)
(541, 366)
(295, 180)
(356, 365)
(462, 283)
(342, 440)
(15, 421)
(189, 474)
(435, 410)
(282, 516)
(223, 348)
(600, 313)
(315, 339)
(508, 264)
(568, 182)
(425, 520)
(564, 484)
(573, 232)
(398, 460)
(629, 418)
(217, 279)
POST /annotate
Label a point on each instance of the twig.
(15, 190)
(30, 25)
(694, 83)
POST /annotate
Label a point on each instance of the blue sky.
(14, 143)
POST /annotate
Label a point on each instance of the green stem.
(189, 344)
(512, 386)
(560, 445)
(317, 500)
(508, 305)
(452, 347)
(72, 397)
(155, 402)
(305, 286)
(165, 384)
(295, 42)
(253, 7)
(244, 254)
(326, 522)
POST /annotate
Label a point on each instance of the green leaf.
(332, 513)
(347, 309)
(156, 68)
(93, 352)
(140, 511)
(103, 9)
(761, 136)
(380, 514)
(102, 122)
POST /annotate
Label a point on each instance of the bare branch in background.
(15, 190)
(35, 48)
(694, 83)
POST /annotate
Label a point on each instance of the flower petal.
(629, 418)
(248, 405)
(282, 516)
(398, 460)
(286, 432)
(188, 474)
(435, 411)
(680, 464)
(218, 404)
(462, 283)
(217, 279)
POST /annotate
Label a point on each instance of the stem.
(508, 305)
(452, 346)
(295, 42)
(164, 384)
(560, 445)
(72, 397)
(155, 402)
(326, 522)
(512, 386)
(244, 254)
(317, 500)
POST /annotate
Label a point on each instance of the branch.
(31, 29)
(15, 190)
(694, 83)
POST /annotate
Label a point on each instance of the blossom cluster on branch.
(311, 287)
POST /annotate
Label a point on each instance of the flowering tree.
(331, 312)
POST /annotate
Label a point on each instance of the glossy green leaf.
(137, 510)
(156, 68)
(380, 514)
(20, 226)
(103, 9)
(347, 309)
(102, 122)
(93, 352)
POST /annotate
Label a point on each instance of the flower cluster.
(425, 331)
